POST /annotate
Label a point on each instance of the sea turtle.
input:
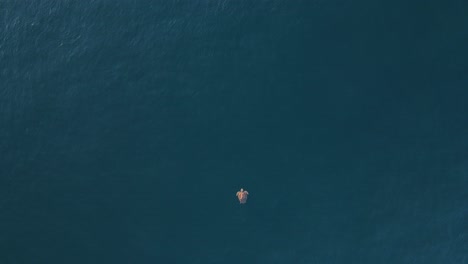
(242, 196)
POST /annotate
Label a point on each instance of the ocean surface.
(127, 127)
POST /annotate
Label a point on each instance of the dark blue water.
(127, 127)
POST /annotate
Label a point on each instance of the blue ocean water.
(127, 127)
